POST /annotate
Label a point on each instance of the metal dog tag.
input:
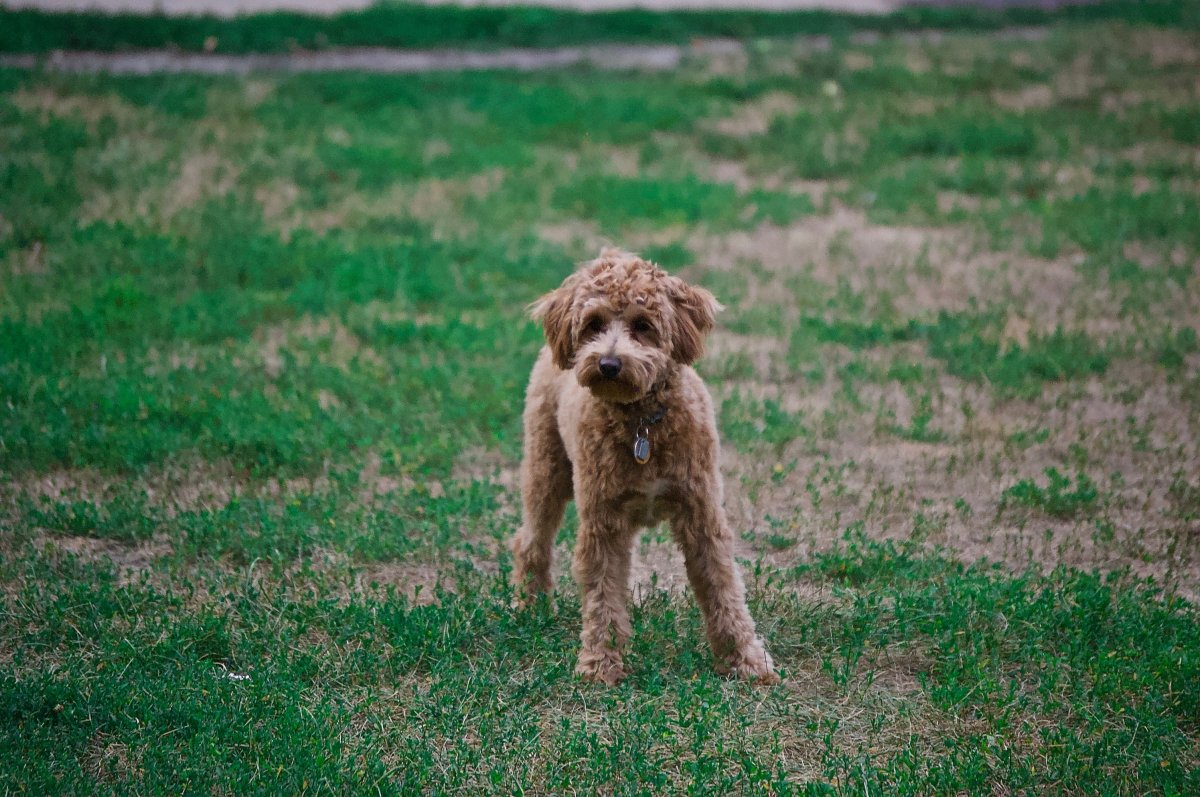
(641, 450)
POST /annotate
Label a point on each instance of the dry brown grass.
(111, 761)
(1025, 98)
(201, 176)
(1165, 47)
(51, 102)
(911, 270)
(755, 117)
(131, 562)
(435, 201)
(955, 486)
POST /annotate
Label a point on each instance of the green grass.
(1057, 498)
(405, 25)
(263, 349)
(273, 683)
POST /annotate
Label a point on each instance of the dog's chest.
(648, 501)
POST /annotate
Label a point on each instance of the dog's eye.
(642, 327)
(595, 324)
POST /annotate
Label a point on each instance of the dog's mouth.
(619, 387)
(613, 390)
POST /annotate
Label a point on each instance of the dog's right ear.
(554, 311)
(695, 314)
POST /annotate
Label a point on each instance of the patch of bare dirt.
(762, 352)
(91, 108)
(486, 465)
(623, 161)
(1136, 444)
(344, 349)
(912, 271)
(1025, 98)
(856, 61)
(890, 712)
(278, 199)
(755, 117)
(1152, 257)
(951, 201)
(435, 201)
(111, 761)
(136, 153)
(735, 172)
(433, 198)
(201, 176)
(173, 487)
(372, 482)
(130, 560)
(1132, 430)
(417, 580)
(1165, 47)
(656, 565)
(574, 235)
(1077, 79)
(916, 59)
(1129, 103)
(256, 90)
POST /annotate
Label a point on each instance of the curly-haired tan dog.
(616, 418)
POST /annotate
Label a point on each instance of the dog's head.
(622, 324)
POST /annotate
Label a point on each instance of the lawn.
(262, 359)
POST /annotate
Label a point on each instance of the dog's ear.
(695, 313)
(554, 311)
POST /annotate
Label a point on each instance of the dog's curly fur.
(580, 426)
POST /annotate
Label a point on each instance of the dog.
(616, 418)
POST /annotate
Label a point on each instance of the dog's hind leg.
(701, 531)
(545, 490)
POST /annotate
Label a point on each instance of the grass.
(1057, 497)
(285, 683)
(262, 358)
(408, 25)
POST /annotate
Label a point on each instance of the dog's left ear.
(695, 313)
(554, 311)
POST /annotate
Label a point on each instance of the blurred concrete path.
(644, 57)
(229, 8)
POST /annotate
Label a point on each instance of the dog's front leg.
(707, 544)
(602, 554)
(545, 490)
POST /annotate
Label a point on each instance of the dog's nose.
(609, 367)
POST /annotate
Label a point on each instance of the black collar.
(650, 408)
(641, 432)
(649, 420)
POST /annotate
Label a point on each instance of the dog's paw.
(530, 591)
(523, 599)
(600, 668)
(753, 663)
